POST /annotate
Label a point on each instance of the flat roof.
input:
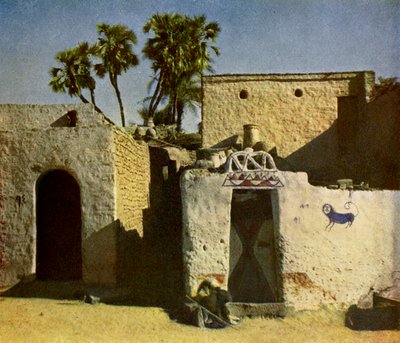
(287, 77)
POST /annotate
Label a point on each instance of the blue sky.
(257, 36)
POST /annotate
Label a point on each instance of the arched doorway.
(59, 253)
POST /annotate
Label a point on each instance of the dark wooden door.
(59, 255)
(252, 255)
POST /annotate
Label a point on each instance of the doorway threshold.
(241, 309)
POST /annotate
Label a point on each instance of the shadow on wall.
(322, 159)
(231, 141)
(358, 148)
(99, 254)
(325, 161)
(380, 141)
(148, 270)
(134, 267)
(163, 231)
(151, 266)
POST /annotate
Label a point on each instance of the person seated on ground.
(212, 297)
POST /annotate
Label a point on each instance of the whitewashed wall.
(29, 147)
(206, 210)
(316, 265)
(342, 264)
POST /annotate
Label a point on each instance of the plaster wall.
(316, 265)
(206, 208)
(132, 177)
(286, 121)
(340, 265)
(29, 148)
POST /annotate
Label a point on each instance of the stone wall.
(316, 265)
(31, 145)
(132, 177)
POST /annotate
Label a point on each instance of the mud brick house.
(298, 245)
(78, 194)
(326, 124)
(71, 185)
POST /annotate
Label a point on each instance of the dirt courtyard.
(43, 320)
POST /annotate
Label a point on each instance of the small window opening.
(298, 92)
(69, 119)
(73, 118)
(243, 94)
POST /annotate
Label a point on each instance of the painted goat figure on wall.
(339, 218)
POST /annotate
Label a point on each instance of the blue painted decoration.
(339, 218)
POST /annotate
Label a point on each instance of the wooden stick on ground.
(210, 313)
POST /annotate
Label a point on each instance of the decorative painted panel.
(252, 170)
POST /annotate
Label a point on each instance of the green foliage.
(114, 47)
(160, 116)
(180, 52)
(74, 75)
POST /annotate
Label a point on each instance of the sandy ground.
(43, 320)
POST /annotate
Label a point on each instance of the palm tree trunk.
(94, 102)
(156, 98)
(153, 99)
(174, 108)
(92, 97)
(114, 83)
(171, 111)
(84, 100)
(179, 108)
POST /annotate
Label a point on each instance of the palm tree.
(114, 47)
(157, 50)
(179, 50)
(75, 73)
(188, 94)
